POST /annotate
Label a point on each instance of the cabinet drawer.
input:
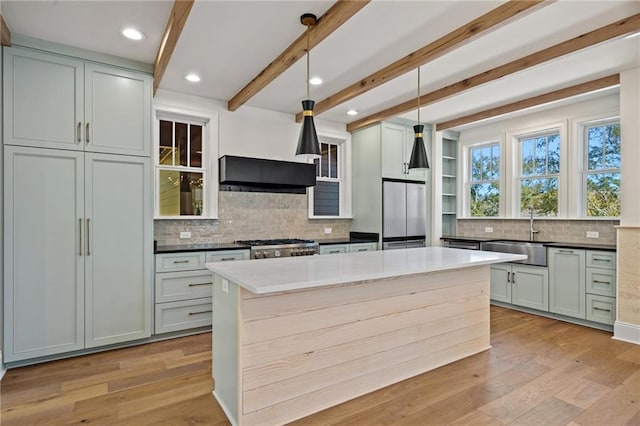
(335, 248)
(185, 285)
(179, 261)
(226, 255)
(354, 248)
(601, 309)
(601, 282)
(601, 259)
(175, 316)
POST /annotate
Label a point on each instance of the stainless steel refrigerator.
(404, 213)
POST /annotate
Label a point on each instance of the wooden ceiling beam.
(600, 35)
(5, 33)
(175, 24)
(556, 95)
(445, 44)
(337, 15)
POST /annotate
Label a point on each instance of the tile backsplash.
(251, 215)
(557, 230)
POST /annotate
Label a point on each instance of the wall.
(568, 231)
(627, 325)
(252, 215)
(567, 117)
(251, 132)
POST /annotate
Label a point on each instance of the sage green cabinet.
(567, 282)
(520, 285)
(78, 253)
(396, 146)
(360, 247)
(334, 248)
(53, 101)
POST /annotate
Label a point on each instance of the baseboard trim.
(3, 369)
(626, 332)
(230, 416)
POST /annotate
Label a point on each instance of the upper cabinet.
(53, 101)
(396, 146)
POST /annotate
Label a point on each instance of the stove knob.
(295, 252)
(258, 255)
(276, 253)
(265, 254)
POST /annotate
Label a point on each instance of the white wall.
(566, 118)
(630, 117)
(250, 132)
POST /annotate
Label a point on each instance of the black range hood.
(246, 174)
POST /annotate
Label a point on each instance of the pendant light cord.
(418, 95)
(307, 61)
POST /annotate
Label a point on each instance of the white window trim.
(468, 178)
(344, 175)
(512, 150)
(209, 121)
(582, 168)
(464, 170)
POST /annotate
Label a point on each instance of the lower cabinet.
(348, 248)
(520, 285)
(567, 282)
(183, 288)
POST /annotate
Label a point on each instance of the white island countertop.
(295, 273)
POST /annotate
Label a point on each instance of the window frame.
(469, 181)
(584, 171)
(209, 162)
(343, 143)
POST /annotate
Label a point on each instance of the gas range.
(263, 249)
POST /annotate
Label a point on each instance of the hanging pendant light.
(308, 146)
(418, 159)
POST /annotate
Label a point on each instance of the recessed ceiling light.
(352, 112)
(132, 33)
(194, 78)
(316, 81)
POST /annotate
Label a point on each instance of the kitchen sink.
(535, 250)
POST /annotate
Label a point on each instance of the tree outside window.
(484, 184)
(539, 174)
(602, 170)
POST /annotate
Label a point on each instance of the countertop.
(584, 246)
(199, 247)
(295, 273)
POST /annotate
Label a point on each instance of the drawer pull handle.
(199, 284)
(334, 251)
(601, 309)
(362, 249)
(565, 251)
(508, 277)
(513, 277)
(601, 282)
(180, 261)
(598, 259)
(227, 258)
(201, 312)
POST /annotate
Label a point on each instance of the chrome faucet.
(532, 231)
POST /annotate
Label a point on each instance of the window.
(539, 174)
(326, 193)
(602, 169)
(181, 167)
(484, 182)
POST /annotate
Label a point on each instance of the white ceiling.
(230, 42)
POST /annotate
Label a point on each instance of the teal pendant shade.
(308, 146)
(418, 159)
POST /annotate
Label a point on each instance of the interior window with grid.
(484, 182)
(602, 170)
(539, 174)
(180, 169)
(326, 193)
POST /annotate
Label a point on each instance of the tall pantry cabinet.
(77, 204)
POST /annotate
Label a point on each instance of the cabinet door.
(530, 287)
(43, 100)
(334, 249)
(500, 283)
(359, 247)
(567, 282)
(392, 153)
(44, 252)
(117, 111)
(118, 262)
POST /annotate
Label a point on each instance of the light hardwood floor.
(539, 372)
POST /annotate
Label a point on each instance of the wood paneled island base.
(281, 356)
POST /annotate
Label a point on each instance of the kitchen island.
(293, 336)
